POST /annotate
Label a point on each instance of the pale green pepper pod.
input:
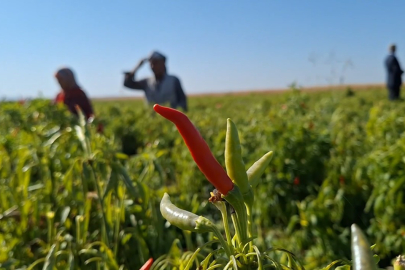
(399, 263)
(181, 218)
(257, 169)
(361, 252)
(235, 166)
(190, 222)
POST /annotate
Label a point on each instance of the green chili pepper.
(178, 217)
(361, 252)
(190, 222)
(236, 170)
(183, 219)
(235, 166)
(257, 169)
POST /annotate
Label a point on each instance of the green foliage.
(67, 197)
(338, 160)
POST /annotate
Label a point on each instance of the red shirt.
(60, 98)
(75, 97)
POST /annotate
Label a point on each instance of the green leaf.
(50, 258)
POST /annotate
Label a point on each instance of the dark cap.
(156, 56)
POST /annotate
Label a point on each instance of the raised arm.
(181, 99)
(131, 82)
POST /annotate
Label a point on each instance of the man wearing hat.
(161, 88)
(394, 73)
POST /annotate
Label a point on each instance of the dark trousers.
(394, 92)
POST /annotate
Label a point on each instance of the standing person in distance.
(161, 88)
(394, 73)
(72, 95)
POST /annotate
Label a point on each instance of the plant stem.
(100, 201)
(235, 198)
(236, 225)
(222, 207)
(117, 223)
(250, 225)
(187, 237)
(50, 230)
(222, 241)
(226, 227)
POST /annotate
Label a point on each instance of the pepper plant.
(234, 191)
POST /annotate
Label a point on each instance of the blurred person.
(161, 88)
(394, 73)
(72, 95)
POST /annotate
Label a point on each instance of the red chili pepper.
(199, 149)
(296, 181)
(342, 180)
(147, 265)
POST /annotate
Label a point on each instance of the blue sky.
(212, 45)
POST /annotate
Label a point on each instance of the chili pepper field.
(75, 198)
